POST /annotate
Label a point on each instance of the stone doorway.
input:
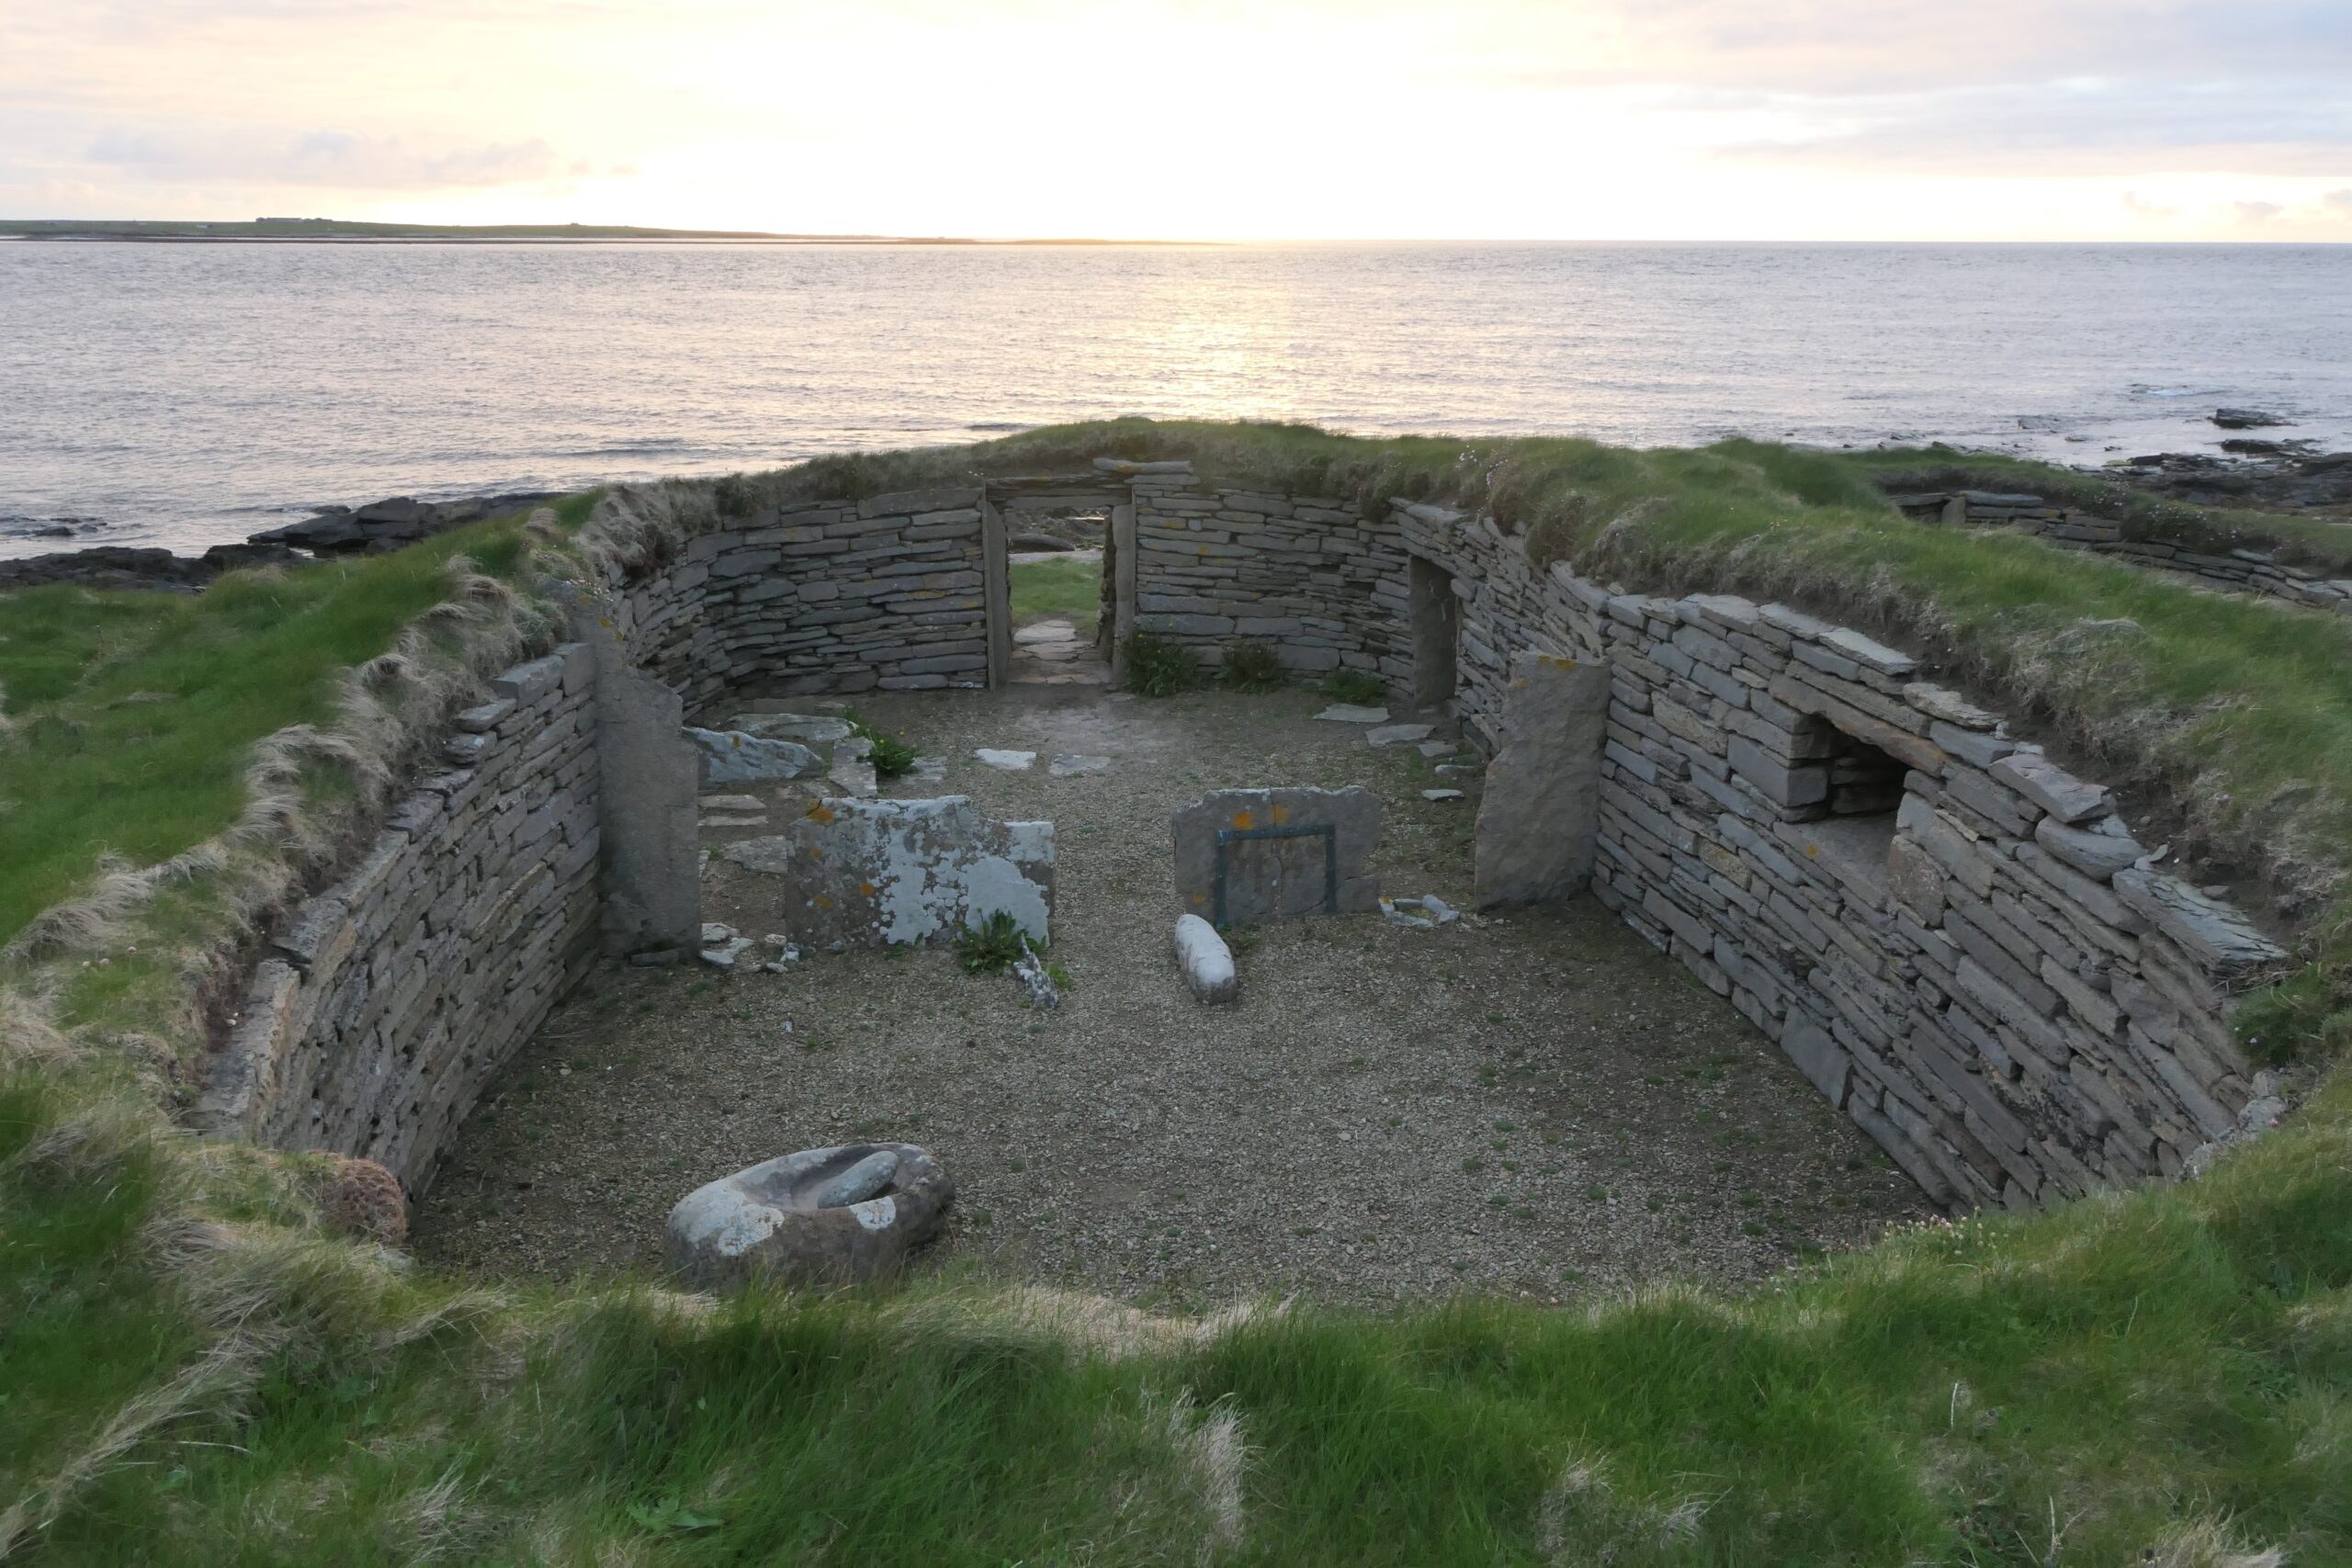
(1057, 533)
(1436, 621)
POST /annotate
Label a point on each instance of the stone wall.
(388, 1000)
(1951, 936)
(1957, 941)
(887, 593)
(1307, 574)
(2247, 571)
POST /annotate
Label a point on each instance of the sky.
(1302, 119)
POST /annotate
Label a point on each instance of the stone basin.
(827, 1216)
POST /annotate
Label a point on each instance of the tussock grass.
(193, 1372)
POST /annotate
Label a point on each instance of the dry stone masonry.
(388, 1001)
(1959, 941)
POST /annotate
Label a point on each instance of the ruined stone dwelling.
(1961, 943)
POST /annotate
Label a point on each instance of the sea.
(184, 394)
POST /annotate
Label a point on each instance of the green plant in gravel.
(892, 758)
(1159, 668)
(195, 1374)
(1251, 664)
(991, 947)
(1361, 687)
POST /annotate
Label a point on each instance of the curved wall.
(1949, 934)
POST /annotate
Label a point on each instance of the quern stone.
(820, 1217)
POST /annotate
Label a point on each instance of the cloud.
(2338, 201)
(2139, 205)
(2077, 128)
(1841, 47)
(2254, 214)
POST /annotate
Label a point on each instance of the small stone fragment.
(1353, 713)
(1441, 794)
(1010, 762)
(1434, 749)
(1399, 734)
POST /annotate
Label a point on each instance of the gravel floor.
(1538, 1103)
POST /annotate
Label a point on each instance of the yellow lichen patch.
(821, 901)
(1244, 820)
(821, 812)
(866, 888)
(1280, 814)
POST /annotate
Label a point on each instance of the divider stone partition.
(1958, 942)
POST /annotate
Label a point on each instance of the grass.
(133, 712)
(193, 1373)
(1063, 590)
(2316, 543)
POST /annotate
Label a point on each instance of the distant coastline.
(333, 230)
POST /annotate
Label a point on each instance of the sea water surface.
(185, 394)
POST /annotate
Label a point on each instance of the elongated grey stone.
(860, 1181)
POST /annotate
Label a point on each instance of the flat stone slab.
(710, 803)
(810, 729)
(1074, 764)
(729, 756)
(1278, 860)
(1207, 961)
(1441, 794)
(827, 1216)
(1399, 734)
(886, 873)
(1010, 762)
(1435, 749)
(1046, 631)
(1352, 713)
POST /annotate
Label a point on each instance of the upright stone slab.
(880, 872)
(1541, 808)
(648, 780)
(1270, 854)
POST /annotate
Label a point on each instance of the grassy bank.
(193, 1371)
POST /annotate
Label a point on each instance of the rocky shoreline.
(372, 529)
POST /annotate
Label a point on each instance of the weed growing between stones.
(1252, 665)
(892, 758)
(1359, 686)
(991, 947)
(1158, 668)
